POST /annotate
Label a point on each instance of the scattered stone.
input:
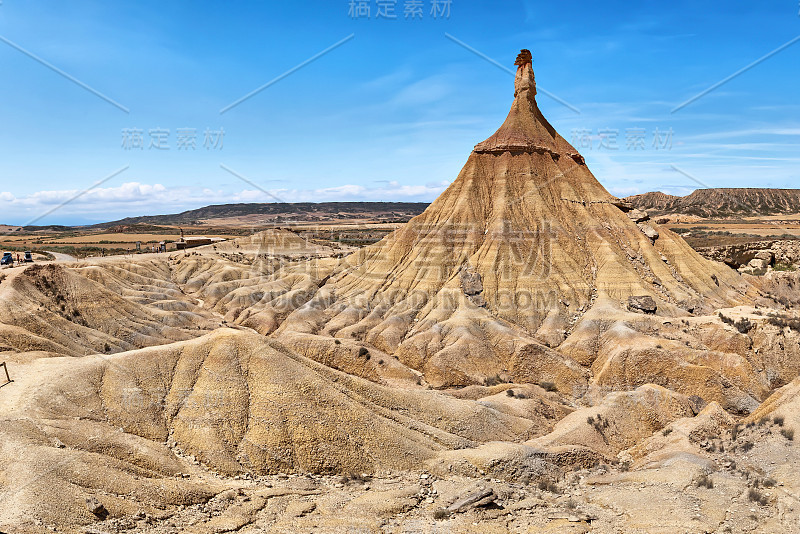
(472, 285)
(624, 205)
(766, 256)
(96, 507)
(649, 231)
(643, 303)
(476, 499)
(637, 215)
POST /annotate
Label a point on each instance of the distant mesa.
(722, 202)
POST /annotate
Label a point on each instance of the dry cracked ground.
(530, 354)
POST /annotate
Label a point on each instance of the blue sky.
(391, 114)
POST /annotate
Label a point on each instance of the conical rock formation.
(504, 264)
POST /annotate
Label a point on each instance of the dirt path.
(62, 257)
(28, 378)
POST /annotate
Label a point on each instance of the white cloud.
(133, 199)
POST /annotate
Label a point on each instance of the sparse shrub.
(571, 504)
(521, 396)
(769, 483)
(704, 481)
(625, 466)
(590, 420)
(441, 514)
(763, 421)
(363, 352)
(667, 431)
(735, 432)
(548, 386)
(380, 362)
(756, 496)
(548, 485)
(354, 478)
(743, 325)
(778, 420)
(782, 321)
(746, 446)
(510, 392)
(492, 380)
(106, 347)
(337, 342)
(788, 433)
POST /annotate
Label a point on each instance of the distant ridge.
(722, 202)
(302, 210)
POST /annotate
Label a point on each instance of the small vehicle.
(8, 259)
(28, 257)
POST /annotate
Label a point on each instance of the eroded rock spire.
(524, 57)
(525, 80)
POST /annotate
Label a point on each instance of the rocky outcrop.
(722, 202)
(642, 303)
(766, 253)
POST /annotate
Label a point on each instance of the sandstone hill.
(722, 202)
(284, 212)
(516, 258)
(529, 354)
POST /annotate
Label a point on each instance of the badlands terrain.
(529, 354)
